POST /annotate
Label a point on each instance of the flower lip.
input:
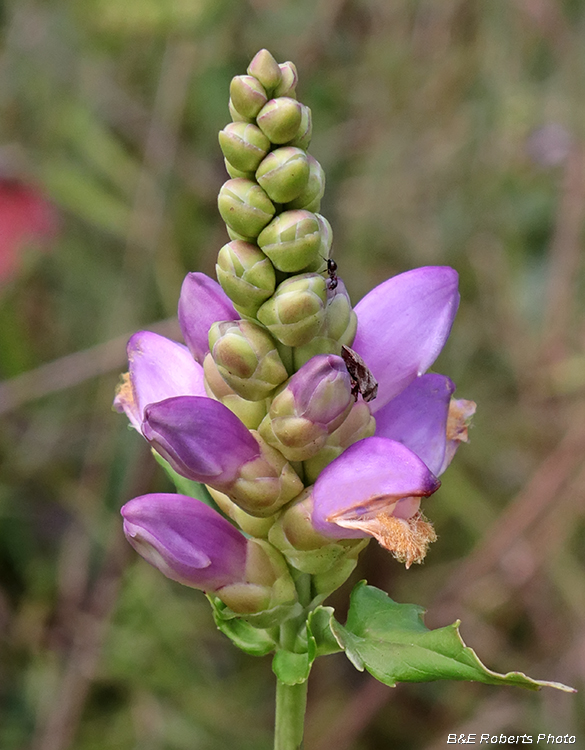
(369, 478)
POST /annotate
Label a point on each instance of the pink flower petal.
(369, 478)
(202, 303)
(402, 326)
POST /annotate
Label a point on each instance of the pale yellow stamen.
(407, 539)
(124, 390)
(460, 412)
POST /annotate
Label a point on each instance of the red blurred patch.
(25, 217)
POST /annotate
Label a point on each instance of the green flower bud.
(319, 345)
(268, 587)
(292, 240)
(288, 80)
(266, 483)
(296, 311)
(247, 95)
(309, 198)
(341, 320)
(246, 358)
(265, 68)
(236, 173)
(303, 137)
(251, 413)
(237, 116)
(246, 276)
(280, 119)
(244, 145)
(326, 236)
(359, 424)
(284, 173)
(340, 327)
(313, 404)
(236, 236)
(304, 548)
(245, 207)
(252, 525)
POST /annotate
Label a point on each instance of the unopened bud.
(284, 174)
(321, 344)
(265, 68)
(251, 413)
(309, 198)
(341, 320)
(237, 116)
(237, 173)
(251, 525)
(280, 119)
(339, 328)
(246, 276)
(237, 237)
(247, 95)
(246, 358)
(288, 81)
(244, 145)
(326, 233)
(245, 207)
(305, 132)
(304, 548)
(296, 311)
(358, 425)
(266, 483)
(292, 240)
(268, 596)
(314, 403)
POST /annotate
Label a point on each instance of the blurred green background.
(451, 132)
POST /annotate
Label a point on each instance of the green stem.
(291, 701)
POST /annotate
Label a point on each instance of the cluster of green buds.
(274, 269)
(263, 366)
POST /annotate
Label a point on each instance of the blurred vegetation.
(451, 132)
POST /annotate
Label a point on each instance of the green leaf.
(291, 668)
(251, 640)
(320, 635)
(391, 641)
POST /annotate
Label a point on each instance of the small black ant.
(332, 273)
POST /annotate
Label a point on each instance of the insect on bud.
(362, 379)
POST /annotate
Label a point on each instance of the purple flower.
(191, 543)
(163, 394)
(315, 402)
(186, 540)
(374, 487)
(201, 439)
(402, 326)
(164, 397)
(201, 304)
(158, 369)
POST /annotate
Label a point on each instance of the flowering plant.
(296, 428)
